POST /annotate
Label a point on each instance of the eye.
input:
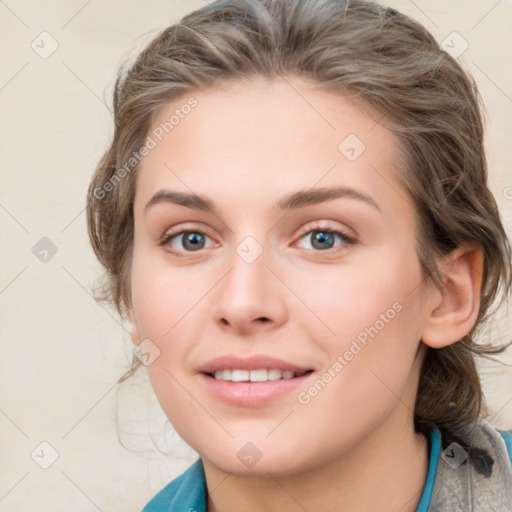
(186, 241)
(326, 238)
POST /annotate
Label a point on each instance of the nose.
(250, 298)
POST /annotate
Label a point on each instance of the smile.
(260, 375)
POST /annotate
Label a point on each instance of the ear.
(132, 324)
(455, 305)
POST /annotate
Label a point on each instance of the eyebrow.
(292, 201)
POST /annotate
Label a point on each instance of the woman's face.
(274, 246)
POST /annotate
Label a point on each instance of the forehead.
(265, 137)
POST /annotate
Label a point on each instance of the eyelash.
(346, 239)
(324, 228)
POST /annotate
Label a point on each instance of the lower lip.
(252, 394)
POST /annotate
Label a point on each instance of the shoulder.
(187, 491)
(485, 447)
(482, 457)
(507, 437)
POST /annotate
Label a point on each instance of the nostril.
(262, 319)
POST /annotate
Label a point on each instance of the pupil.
(323, 237)
(195, 240)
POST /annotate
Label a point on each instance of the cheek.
(167, 310)
(161, 297)
(171, 391)
(372, 317)
(352, 297)
(365, 374)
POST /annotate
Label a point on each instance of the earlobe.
(455, 314)
(132, 324)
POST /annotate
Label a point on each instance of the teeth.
(258, 375)
(253, 375)
(274, 374)
(240, 375)
(223, 375)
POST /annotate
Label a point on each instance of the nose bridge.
(247, 281)
(248, 293)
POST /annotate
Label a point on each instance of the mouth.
(258, 375)
(252, 382)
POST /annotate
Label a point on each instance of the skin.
(352, 446)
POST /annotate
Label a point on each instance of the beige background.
(61, 352)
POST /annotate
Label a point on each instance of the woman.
(295, 221)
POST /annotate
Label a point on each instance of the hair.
(388, 64)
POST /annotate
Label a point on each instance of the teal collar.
(187, 493)
(435, 448)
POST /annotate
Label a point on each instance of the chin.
(248, 460)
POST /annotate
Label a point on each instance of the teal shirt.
(187, 493)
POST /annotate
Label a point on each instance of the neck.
(386, 472)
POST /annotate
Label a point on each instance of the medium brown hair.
(373, 55)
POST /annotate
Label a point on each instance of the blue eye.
(325, 239)
(319, 239)
(187, 241)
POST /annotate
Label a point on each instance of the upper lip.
(256, 362)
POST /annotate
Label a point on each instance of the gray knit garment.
(474, 474)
